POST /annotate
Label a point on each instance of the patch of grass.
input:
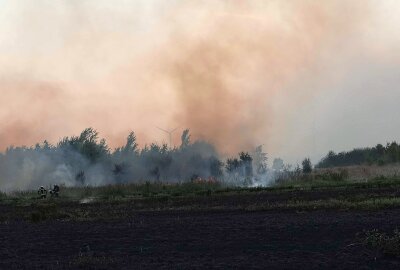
(120, 201)
(388, 245)
(314, 181)
(335, 181)
(77, 193)
(156, 189)
(101, 209)
(368, 204)
(23, 195)
(112, 192)
(151, 190)
(3, 196)
(88, 261)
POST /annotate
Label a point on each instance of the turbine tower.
(169, 132)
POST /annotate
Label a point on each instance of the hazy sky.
(301, 77)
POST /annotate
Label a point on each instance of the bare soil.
(199, 240)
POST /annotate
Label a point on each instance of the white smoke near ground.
(85, 160)
(62, 175)
(22, 168)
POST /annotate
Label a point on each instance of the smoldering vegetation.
(87, 160)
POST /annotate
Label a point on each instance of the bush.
(3, 195)
(381, 162)
(388, 245)
(113, 191)
(333, 176)
(307, 166)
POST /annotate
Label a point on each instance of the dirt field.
(200, 240)
(313, 228)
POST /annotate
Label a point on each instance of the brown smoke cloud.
(31, 111)
(213, 67)
(226, 75)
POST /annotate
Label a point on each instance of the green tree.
(232, 165)
(215, 167)
(131, 145)
(185, 138)
(87, 144)
(307, 166)
(247, 163)
(260, 160)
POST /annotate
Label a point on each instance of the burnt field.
(278, 228)
(228, 239)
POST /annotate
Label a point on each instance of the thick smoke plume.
(234, 72)
(214, 67)
(227, 71)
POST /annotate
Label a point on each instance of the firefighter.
(55, 191)
(42, 192)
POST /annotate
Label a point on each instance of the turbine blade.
(163, 130)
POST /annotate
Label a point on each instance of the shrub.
(113, 191)
(3, 195)
(307, 166)
(388, 245)
(334, 176)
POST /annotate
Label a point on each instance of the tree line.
(86, 159)
(379, 155)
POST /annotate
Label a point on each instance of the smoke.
(237, 73)
(213, 67)
(30, 110)
(285, 74)
(86, 160)
(226, 76)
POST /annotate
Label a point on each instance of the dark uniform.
(55, 191)
(42, 192)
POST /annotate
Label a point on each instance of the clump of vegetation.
(87, 160)
(335, 176)
(241, 166)
(306, 178)
(388, 245)
(88, 260)
(307, 166)
(112, 191)
(156, 189)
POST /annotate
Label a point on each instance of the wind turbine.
(169, 132)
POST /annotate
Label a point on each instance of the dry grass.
(388, 245)
(365, 172)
